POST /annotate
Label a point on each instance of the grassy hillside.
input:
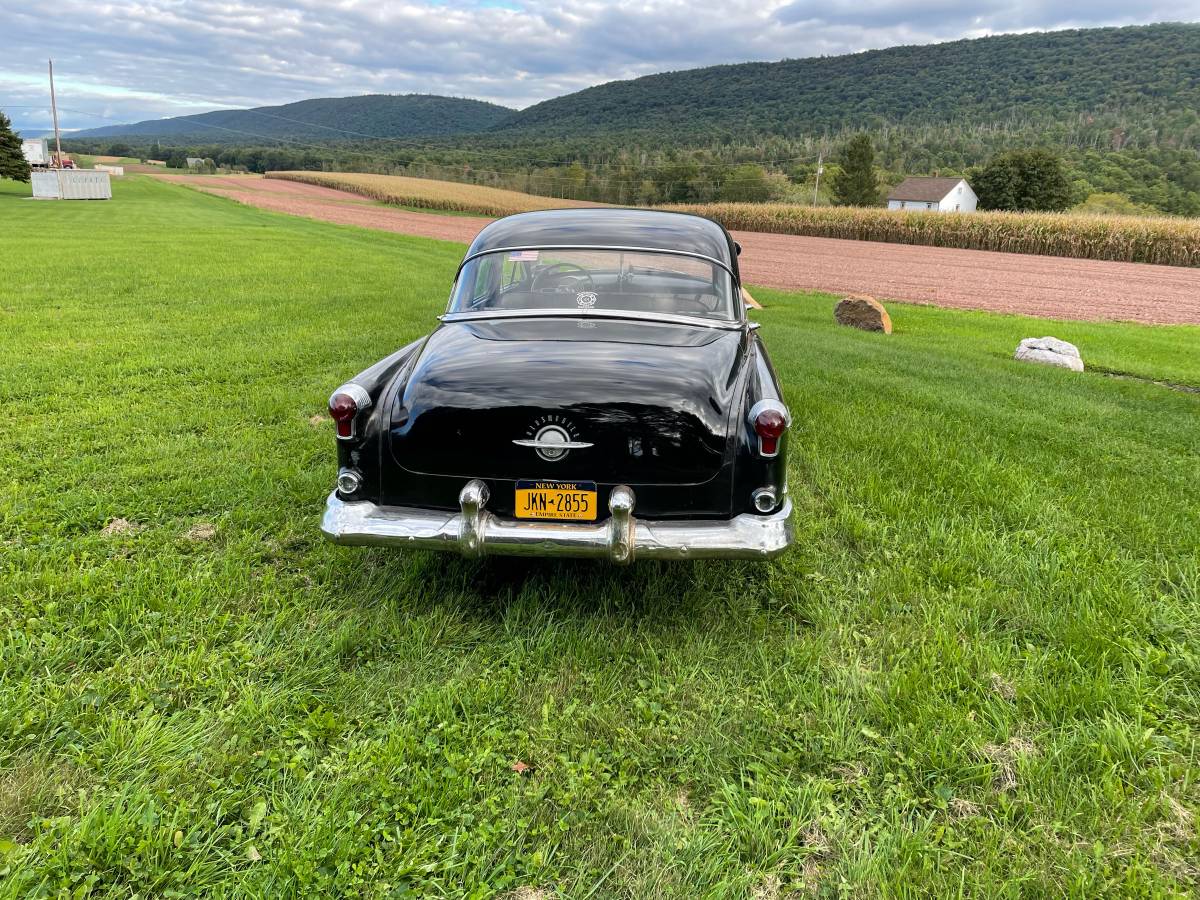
(976, 675)
(1147, 72)
(325, 119)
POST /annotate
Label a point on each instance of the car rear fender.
(362, 452)
(751, 469)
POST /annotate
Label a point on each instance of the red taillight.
(769, 425)
(347, 406)
(343, 408)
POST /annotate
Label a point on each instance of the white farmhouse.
(933, 194)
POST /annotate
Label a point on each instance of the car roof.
(598, 226)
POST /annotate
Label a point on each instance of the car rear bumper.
(473, 531)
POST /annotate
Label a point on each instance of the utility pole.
(57, 138)
(820, 171)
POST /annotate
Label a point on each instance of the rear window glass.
(595, 280)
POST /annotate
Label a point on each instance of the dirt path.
(328, 205)
(1047, 286)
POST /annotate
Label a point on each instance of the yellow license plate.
(575, 500)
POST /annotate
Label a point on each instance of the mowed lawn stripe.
(976, 674)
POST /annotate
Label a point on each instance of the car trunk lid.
(569, 399)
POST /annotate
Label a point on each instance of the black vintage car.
(593, 389)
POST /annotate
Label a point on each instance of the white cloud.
(136, 59)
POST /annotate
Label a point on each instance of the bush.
(1111, 204)
(746, 184)
(1023, 180)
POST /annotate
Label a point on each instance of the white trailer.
(71, 184)
(36, 151)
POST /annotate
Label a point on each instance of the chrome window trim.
(737, 322)
(588, 314)
(615, 248)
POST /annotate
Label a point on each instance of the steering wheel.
(583, 279)
(698, 300)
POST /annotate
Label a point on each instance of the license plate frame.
(555, 501)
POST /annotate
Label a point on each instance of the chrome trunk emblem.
(552, 439)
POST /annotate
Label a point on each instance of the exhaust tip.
(348, 481)
(765, 499)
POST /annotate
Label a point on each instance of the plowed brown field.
(1046, 286)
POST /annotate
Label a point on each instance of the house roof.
(929, 190)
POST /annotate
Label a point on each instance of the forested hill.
(326, 119)
(1143, 78)
(1120, 105)
(1148, 71)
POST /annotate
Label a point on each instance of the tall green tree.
(746, 183)
(1028, 180)
(856, 184)
(12, 161)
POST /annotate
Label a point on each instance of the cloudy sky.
(127, 60)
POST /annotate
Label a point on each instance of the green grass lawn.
(977, 674)
(88, 160)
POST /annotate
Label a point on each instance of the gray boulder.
(1050, 351)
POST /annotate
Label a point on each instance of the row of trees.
(859, 173)
(1156, 174)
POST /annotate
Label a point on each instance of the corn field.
(1165, 241)
(425, 193)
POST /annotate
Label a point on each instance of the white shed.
(933, 194)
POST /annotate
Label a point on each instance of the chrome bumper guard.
(475, 532)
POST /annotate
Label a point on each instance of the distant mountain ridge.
(1049, 75)
(1147, 73)
(324, 119)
